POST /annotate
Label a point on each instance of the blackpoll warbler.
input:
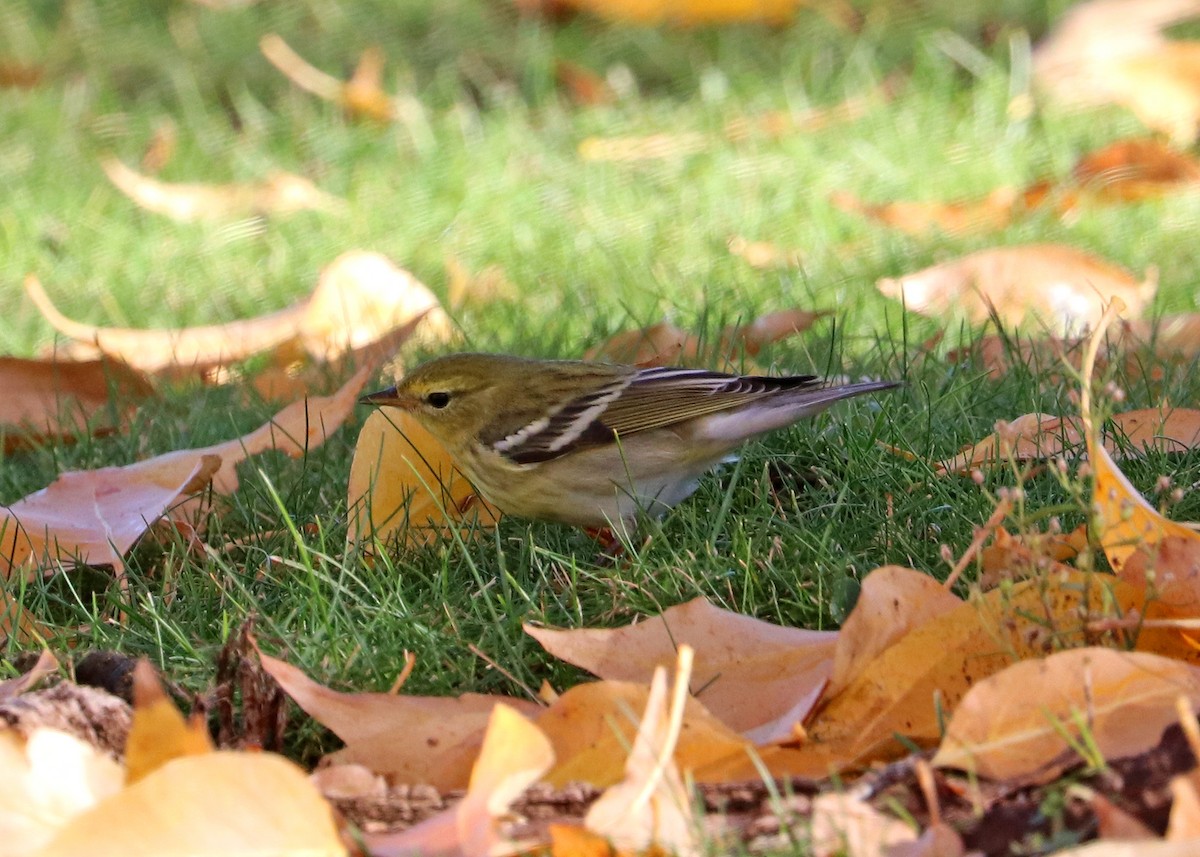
(596, 444)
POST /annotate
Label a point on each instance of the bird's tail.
(775, 412)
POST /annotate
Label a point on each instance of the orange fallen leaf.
(989, 214)
(661, 344)
(361, 96)
(464, 287)
(650, 808)
(279, 193)
(218, 803)
(54, 400)
(513, 757)
(403, 485)
(1123, 699)
(1014, 557)
(592, 727)
(689, 12)
(757, 678)
(930, 668)
(1135, 169)
(159, 733)
(1028, 437)
(764, 254)
(360, 298)
(1122, 519)
(768, 329)
(411, 739)
(1064, 286)
(893, 601)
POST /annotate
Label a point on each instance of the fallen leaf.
(404, 485)
(757, 678)
(1066, 287)
(1010, 726)
(1116, 52)
(764, 254)
(653, 147)
(161, 146)
(410, 739)
(50, 400)
(778, 123)
(1135, 169)
(689, 12)
(1121, 517)
(893, 602)
(513, 757)
(991, 214)
(1027, 438)
(464, 287)
(768, 329)
(1015, 557)
(844, 825)
(159, 732)
(661, 344)
(1135, 848)
(95, 516)
(46, 779)
(361, 96)
(592, 726)
(1112, 822)
(280, 193)
(360, 298)
(1184, 823)
(650, 808)
(217, 804)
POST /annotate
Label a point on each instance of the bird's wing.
(649, 399)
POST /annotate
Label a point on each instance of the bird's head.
(453, 396)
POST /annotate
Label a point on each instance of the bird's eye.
(438, 400)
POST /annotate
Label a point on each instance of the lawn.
(487, 170)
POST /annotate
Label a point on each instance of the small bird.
(596, 444)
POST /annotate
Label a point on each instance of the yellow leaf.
(159, 732)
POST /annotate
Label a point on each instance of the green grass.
(494, 178)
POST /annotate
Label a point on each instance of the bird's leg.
(611, 546)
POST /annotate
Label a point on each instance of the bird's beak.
(390, 397)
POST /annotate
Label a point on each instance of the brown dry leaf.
(360, 298)
(990, 214)
(361, 96)
(778, 123)
(279, 193)
(1066, 287)
(50, 400)
(46, 779)
(217, 804)
(844, 825)
(1027, 438)
(1011, 726)
(583, 86)
(764, 254)
(650, 808)
(159, 733)
(689, 12)
(999, 352)
(1184, 823)
(592, 726)
(1167, 570)
(411, 739)
(1135, 169)
(1165, 429)
(16, 75)
(1135, 848)
(768, 329)
(893, 601)
(403, 485)
(661, 344)
(653, 147)
(930, 669)
(513, 757)
(757, 678)
(95, 516)
(1112, 822)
